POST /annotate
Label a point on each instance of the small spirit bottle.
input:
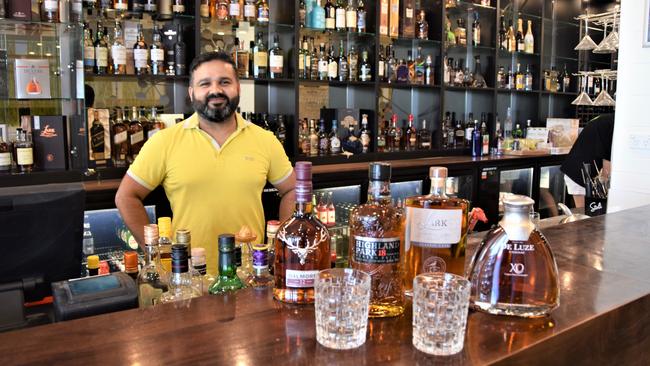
(260, 277)
(435, 232)
(514, 272)
(302, 246)
(131, 264)
(276, 59)
(375, 244)
(24, 152)
(152, 281)
(199, 265)
(227, 279)
(181, 289)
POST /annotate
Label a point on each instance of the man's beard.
(216, 114)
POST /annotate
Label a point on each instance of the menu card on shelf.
(50, 142)
(32, 79)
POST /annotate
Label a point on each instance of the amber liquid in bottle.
(302, 246)
(514, 271)
(120, 140)
(376, 244)
(435, 231)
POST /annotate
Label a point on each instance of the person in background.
(213, 166)
(594, 144)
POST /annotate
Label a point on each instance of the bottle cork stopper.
(437, 172)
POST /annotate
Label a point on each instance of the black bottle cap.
(226, 243)
(379, 171)
(179, 258)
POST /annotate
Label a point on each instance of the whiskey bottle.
(118, 51)
(136, 135)
(351, 17)
(276, 59)
(353, 64)
(424, 136)
(478, 80)
(121, 5)
(407, 20)
(101, 52)
(393, 139)
(429, 72)
(332, 65)
(281, 132)
(519, 78)
(344, 69)
(24, 152)
(157, 53)
(503, 35)
(302, 246)
(476, 31)
(263, 12)
(514, 272)
(313, 139)
(89, 50)
(260, 58)
(250, 10)
(141, 54)
(365, 69)
(419, 68)
(435, 232)
(381, 64)
(235, 10)
(227, 279)
(178, 7)
(156, 124)
(364, 134)
(150, 6)
(120, 140)
(528, 79)
(151, 281)
(361, 17)
(376, 246)
(330, 15)
(97, 137)
(381, 137)
(421, 26)
(180, 52)
(411, 135)
(335, 142)
(340, 15)
(323, 139)
(5, 156)
(49, 11)
(461, 33)
(323, 64)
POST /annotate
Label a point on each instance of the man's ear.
(190, 92)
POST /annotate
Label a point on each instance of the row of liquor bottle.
(557, 82)
(17, 155)
(475, 134)
(456, 73)
(515, 80)
(392, 244)
(276, 123)
(326, 65)
(160, 9)
(127, 133)
(109, 54)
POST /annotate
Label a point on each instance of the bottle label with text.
(300, 279)
(376, 250)
(431, 228)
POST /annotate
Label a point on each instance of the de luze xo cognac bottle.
(435, 231)
(376, 245)
(302, 246)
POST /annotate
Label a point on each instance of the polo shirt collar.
(192, 122)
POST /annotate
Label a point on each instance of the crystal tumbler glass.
(440, 306)
(342, 298)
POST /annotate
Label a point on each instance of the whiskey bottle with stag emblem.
(302, 246)
(435, 232)
(376, 244)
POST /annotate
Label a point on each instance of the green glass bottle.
(227, 279)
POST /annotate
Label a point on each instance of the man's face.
(214, 91)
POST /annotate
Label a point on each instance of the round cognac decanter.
(513, 272)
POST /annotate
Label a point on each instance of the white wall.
(630, 184)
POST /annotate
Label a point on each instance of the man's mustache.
(215, 96)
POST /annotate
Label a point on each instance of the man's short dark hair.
(211, 56)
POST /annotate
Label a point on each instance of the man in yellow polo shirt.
(213, 166)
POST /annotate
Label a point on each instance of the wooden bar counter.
(603, 319)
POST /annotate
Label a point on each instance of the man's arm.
(128, 200)
(286, 191)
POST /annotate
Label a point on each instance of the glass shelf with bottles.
(458, 5)
(351, 65)
(30, 27)
(160, 11)
(145, 77)
(506, 53)
(333, 33)
(456, 75)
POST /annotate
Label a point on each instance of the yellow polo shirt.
(212, 189)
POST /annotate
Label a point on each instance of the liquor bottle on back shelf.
(157, 54)
(260, 58)
(365, 69)
(411, 135)
(344, 69)
(141, 54)
(424, 136)
(476, 31)
(364, 134)
(375, 246)
(180, 52)
(120, 140)
(101, 52)
(136, 135)
(435, 231)
(335, 142)
(529, 41)
(276, 59)
(97, 137)
(302, 246)
(519, 37)
(323, 139)
(49, 11)
(361, 17)
(118, 50)
(89, 50)
(503, 35)
(421, 26)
